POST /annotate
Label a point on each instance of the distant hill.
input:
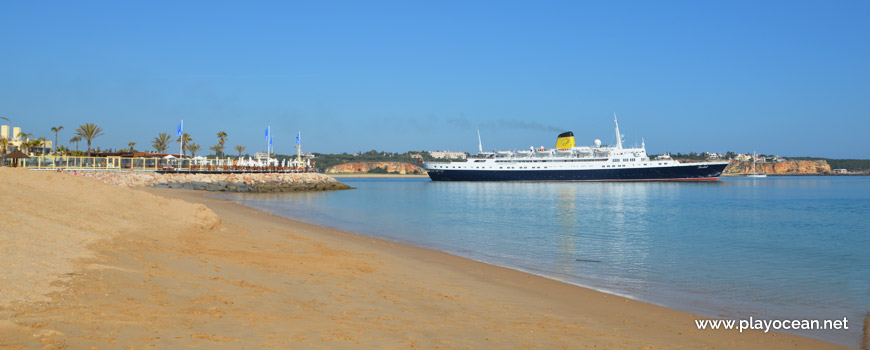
(324, 161)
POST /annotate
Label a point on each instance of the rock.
(274, 182)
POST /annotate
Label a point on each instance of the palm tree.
(131, 144)
(184, 140)
(26, 145)
(222, 137)
(76, 139)
(218, 149)
(56, 130)
(4, 143)
(41, 140)
(24, 136)
(193, 148)
(161, 141)
(240, 149)
(89, 131)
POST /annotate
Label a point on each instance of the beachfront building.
(712, 155)
(13, 134)
(743, 157)
(448, 155)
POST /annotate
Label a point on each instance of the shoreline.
(486, 271)
(260, 280)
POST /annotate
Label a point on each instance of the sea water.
(774, 248)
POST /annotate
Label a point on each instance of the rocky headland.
(366, 167)
(253, 182)
(788, 167)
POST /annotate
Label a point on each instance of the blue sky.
(781, 77)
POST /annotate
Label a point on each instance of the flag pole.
(180, 139)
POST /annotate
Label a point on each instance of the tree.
(222, 137)
(218, 149)
(24, 136)
(161, 142)
(56, 130)
(89, 131)
(240, 149)
(131, 144)
(76, 139)
(4, 143)
(26, 146)
(193, 148)
(41, 140)
(184, 140)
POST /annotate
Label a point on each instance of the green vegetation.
(76, 139)
(56, 130)
(89, 131)
(219, 148)
(161, 142)
(184, 140)
(193, 148)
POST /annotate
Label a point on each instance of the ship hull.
(682, 172)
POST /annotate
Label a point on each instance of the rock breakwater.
(261, 182)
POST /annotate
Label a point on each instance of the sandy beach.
(95, 266)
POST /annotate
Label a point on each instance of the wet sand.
(155, 278)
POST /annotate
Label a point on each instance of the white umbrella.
(169, 156)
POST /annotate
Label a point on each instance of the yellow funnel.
(565, 140)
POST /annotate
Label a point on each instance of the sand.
(161, 270)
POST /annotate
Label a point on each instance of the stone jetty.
(260, 182)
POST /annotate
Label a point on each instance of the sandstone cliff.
(789, 167)
(365, 167)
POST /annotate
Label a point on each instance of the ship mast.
(618, 137)
(479, 144)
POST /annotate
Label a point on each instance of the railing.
(151, 164)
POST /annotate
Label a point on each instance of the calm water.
(775, 248)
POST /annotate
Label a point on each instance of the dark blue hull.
(683, 172)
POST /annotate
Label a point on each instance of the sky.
(790, 78)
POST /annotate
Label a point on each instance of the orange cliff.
(788, 167)
(364, 167)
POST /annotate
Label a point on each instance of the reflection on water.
(767, 248)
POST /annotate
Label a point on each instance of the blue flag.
(298, 137)
(270, 141)
(267, 133)
(180, 128)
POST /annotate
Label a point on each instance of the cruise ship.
(567, 162)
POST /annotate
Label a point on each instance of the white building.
(447, 155)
